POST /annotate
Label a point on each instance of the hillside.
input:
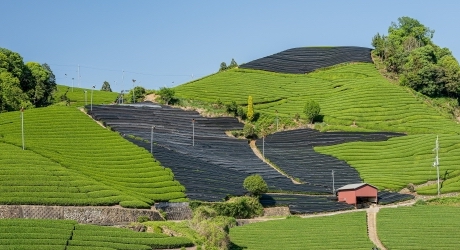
(71, 160)
(77, 96)
(348, 94)
(308, 59)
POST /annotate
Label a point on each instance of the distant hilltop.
(307, 59)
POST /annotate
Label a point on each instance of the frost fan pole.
(151, 140)
(436, 160)
(22, 128)
(333, 183)
(193, 132)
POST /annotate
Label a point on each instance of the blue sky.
(167, 43)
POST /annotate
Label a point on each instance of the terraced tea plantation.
(77, 96)
(348, 94)
(71, 160)
(68, 235)
(307, 59)
(394, 163)
(343, 231)
(419, 227)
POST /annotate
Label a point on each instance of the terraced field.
(394, 163)
(348, 94)
(343, 231)
(307, 59)
(68, 235)
(419, 227)
(77, 96)
(71, 160)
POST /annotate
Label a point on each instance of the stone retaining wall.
(175, 210)
(88, 215)
(276, 211)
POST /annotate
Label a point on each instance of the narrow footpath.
(372, 227)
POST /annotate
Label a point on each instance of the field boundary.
(82, 214)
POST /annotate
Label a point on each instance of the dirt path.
(259, 154)
(98, 122)
(372, 227)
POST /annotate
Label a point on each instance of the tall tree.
(106, 87)
(223, 66)
(40, 89)
(233, 64)
(250, 113)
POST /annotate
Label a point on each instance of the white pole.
(72, 84)
(92, 97)
(193, 132)
(22, 128)
(122, 81)
(263, 146)
(436, 161)
(333, 183)
(134, 93)
(86, 102)
(151, 140)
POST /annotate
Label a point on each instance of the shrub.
(248, 130)
(142, 218)
(255, 184)
(239, 207)
(311, 110)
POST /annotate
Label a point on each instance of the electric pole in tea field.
(193, 132)
(436, 160)
(22, 128)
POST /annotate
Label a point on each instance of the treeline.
(24, 84)
(409, 53)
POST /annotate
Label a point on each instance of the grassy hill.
(353, 97)
(344, 231)
(394, 163)
(348, 94)
(77, 96)
(71, 160)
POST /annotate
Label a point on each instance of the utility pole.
(436, 161)
(134, 93)
(122, 79)
(193, 132)
(276, 111)
(263, 146)
(86, 102)
(151, 140)
(92, 97)
(333, 183)
(72, 84)
(22, 128)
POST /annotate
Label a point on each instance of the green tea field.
(344, 231)
(71, 160)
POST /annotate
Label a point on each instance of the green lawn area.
(343, 231)
(419, 227)
(71, 160)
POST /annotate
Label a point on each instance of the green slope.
(394, 163)
(71, 160)
(346, 93)
(343, 231)
(77, 96)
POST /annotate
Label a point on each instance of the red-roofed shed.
(357, 193)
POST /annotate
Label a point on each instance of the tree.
(250, 113)
(40, 86)
(233, 64)
(106, 87)
(166, 94)
(255, 184)
(223, 66)
(311, 110)
(11, 96)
